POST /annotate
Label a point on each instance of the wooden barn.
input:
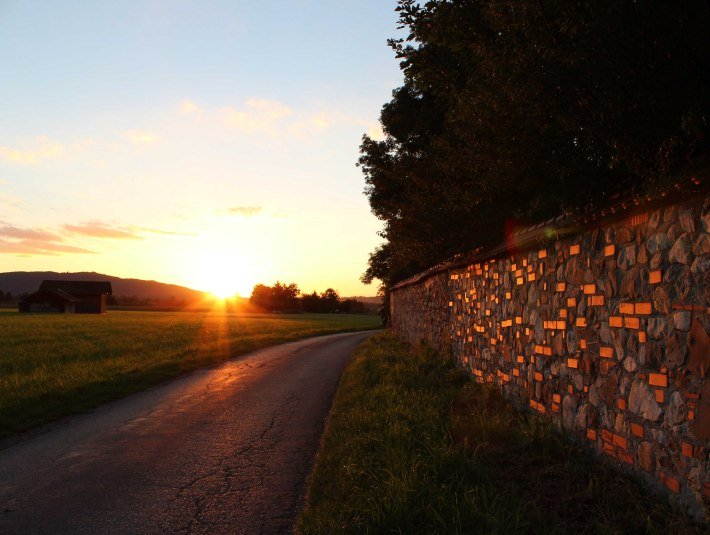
(68, 297)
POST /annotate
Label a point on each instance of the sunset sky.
(197, 143)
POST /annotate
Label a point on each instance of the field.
(54, 365)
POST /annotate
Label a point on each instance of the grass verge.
(412, 446)
(55, 365)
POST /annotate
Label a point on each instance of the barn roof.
(43, 293)
(77, 287)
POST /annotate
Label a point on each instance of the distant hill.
(19, 282)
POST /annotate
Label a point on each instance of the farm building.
(68, 297)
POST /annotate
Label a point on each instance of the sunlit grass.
(412, 446)
(53, 365)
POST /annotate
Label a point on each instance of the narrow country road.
(223, 450)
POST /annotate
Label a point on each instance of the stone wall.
(603, 331)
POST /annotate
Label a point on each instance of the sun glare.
(224, 275)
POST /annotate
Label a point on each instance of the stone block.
(699, 347)
(626, 257)
(681, 320)
(682, 250)
(642, 401)
(657, 328)
(676, 410)
(646, 457)
(701, 246)
(658, 242)
(661, 300)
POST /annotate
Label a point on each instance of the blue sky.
(191, 142)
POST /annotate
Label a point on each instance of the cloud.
(37, 241)
(310, 124)
(276, 119)
(97, 229)
(256, 115)
(35, 247)
(9, 231)
(245, 211)
(32, 241)
(163, 232)
(189, 107)
(140, 137)
(44, 149)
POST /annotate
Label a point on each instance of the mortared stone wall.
(603, 330)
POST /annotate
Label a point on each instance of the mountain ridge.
(19, 282)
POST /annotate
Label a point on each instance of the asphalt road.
(223, 450)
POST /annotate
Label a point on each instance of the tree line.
(288, 298)
(514, 111)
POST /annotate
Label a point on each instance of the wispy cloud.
(188, 107)
(97, 229)
(140, 137)
(276, 119)
(256, 115)
(39, 241)
(244, 211)
(10, 231)
(34, 247)
(163, 232)
(34, 241)
(42, 149)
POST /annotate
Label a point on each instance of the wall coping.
(623, 205)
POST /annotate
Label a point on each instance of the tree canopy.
(515, 111)
(286, 298)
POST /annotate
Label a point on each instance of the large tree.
(513, 111)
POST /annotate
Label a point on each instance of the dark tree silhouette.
(514, 111)
(276, 298)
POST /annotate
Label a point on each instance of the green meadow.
(55, 365)
(413, 446)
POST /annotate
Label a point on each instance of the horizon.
(209, 147)
(237, 295)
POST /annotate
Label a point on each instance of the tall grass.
(412, 446)
(53, 365)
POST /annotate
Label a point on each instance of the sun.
(224, 275)
(224, 292)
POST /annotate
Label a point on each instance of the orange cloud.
(29, 241)
(10, 231)
(97, 229)
(34, 247)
